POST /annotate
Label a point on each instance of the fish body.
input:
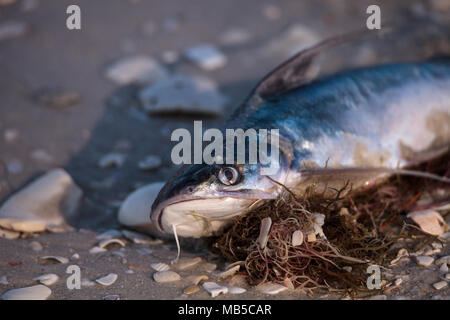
(341, 128)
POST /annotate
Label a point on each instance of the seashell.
(228, 273)
(191, 289)
(160, 266)
(37, 292)
(36, 246)
(232, 265)
(166, 276)
(47, 279)
(104, 244)
(186, 263)
(196, 279)
(107, 280)
(264, 230)
(440, 285)
(75, 256)
(235, 290)
(402, 253)
(113, 233)
(271, 288)
(214, 289)
(95, 250)
(136, 238)
(297, 238)
(429, 221)
(424, 261)
(57, 259)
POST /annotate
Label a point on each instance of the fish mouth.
(246, 200)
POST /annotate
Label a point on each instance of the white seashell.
(160, 266)
(264, 230)
(47, 279)
(424, 261)
(297, 238)
(445, 259)
(107, 280)
(166, 276)
(75, 256)
(429, 221)
(228, 273)
(36, 246)
(443, 268)
(319, 219)
(214, 289)
(95, 250)
(440, 285)
(136, 237)
(235, 290)
(402, 253)
(104, 244)
(398, 281)
(109, 234)
(37, 292)
(186, 263)
(4, 280)
(58, 259)
(271, 288)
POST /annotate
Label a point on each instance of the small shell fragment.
(214, 289)
(54, 259)
(107, 280)
(191, 289)
(271, 288)
(402, 253)
(424, 261)
(228, 273)
(186, 263)
(113, 233)
(196, 279)
(166, 276)
(264, 230)
(104, 244)
(443, 268)
(160, 266)
(75, 256)
(47, 279)
(297, 238)
(95, 250)
(235, 290)
(429, 221)
(445, 259)
(37, 292)
(311, 237)
(136, 238)
(35, 246)
(440, 285)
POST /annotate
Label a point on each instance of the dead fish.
(357, 126)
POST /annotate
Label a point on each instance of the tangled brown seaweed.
(360, 229)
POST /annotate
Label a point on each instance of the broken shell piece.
(311, 237)
(37, 292)
(160, 266)
(166, 276)
(429, 221)
(264, 230)
(214, 289)
(271, 288)
(75, 256)
(197, 279)
(191, 289)
(186, 263)
(47, 279)
(137, 238)
(54, 259)
(228, 273)
(104, 244)
(443, 268)
(445, 259)
(235, 290)
(402, 253)
(107, 280)
(297, 238)
(95, 250)
(109, 234)
(440, 285)
(287, 282)
(424, 261)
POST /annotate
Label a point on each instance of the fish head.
(201, 199)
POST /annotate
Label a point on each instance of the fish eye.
(228, 175)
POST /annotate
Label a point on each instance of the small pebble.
(191, 289)
(440, 285)
(104, 244)
(111, 160)
(443, 268)
(54, 259)
(214, 289)
(206, 56)
(47, 279)
(75, 256)
(37, 292)
(166, 276)
(107, 280)
(160, 266)
(95, 250)
(151, 162)
(424, 261)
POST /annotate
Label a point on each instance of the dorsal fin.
(293, 72)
